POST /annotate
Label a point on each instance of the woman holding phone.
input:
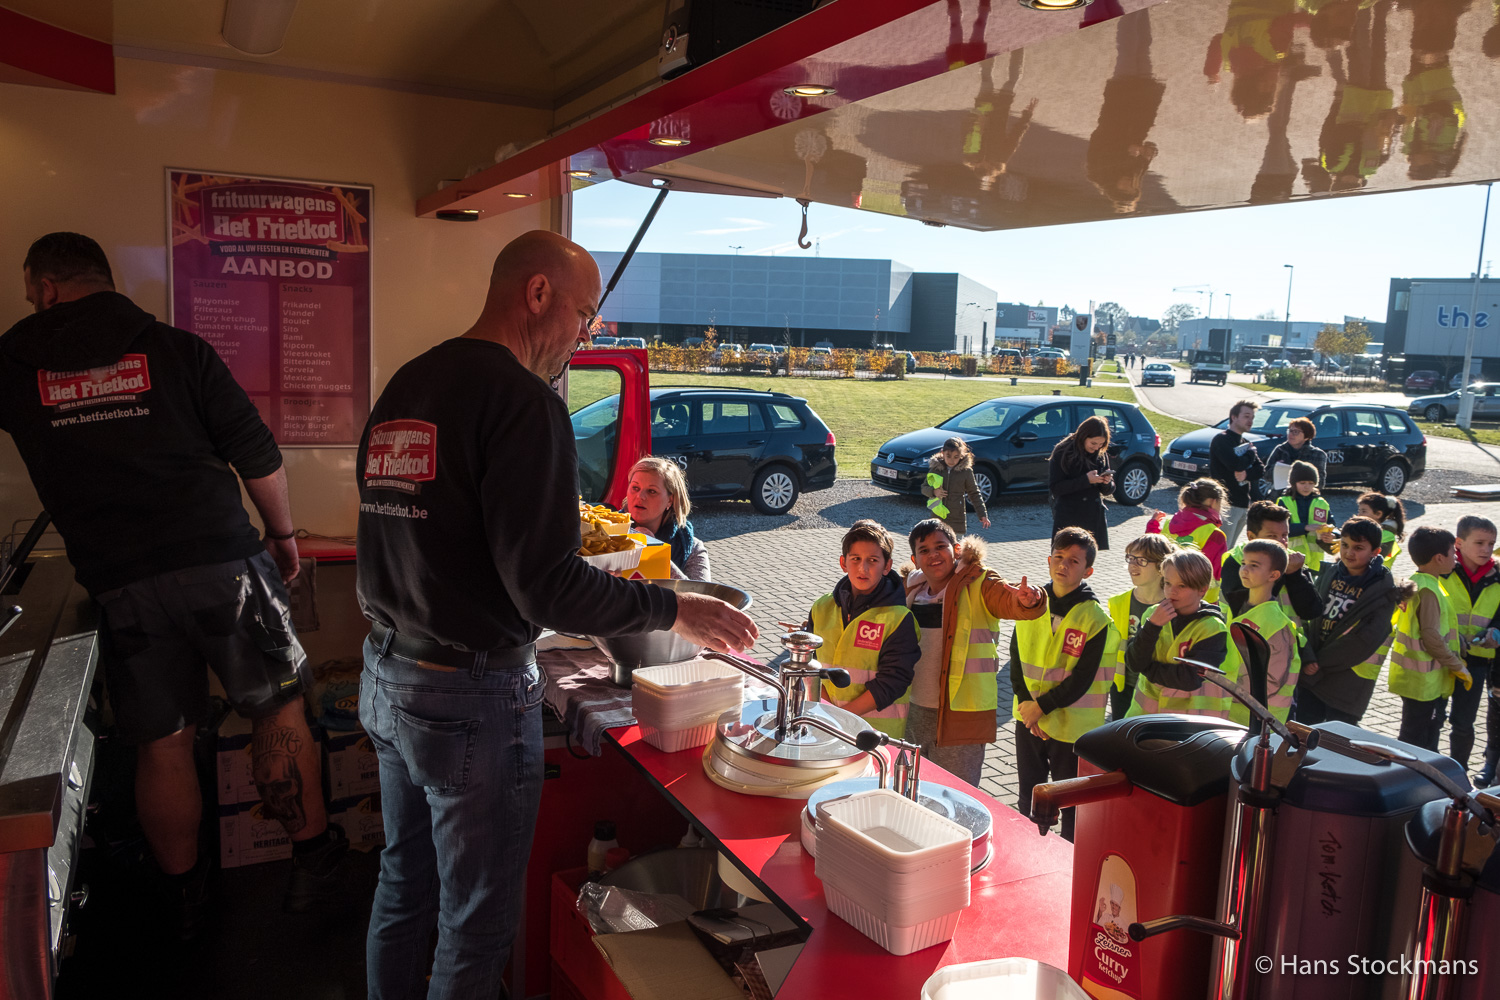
(1079, 478)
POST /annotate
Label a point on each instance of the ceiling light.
(1055, 4)
(517, 194)
(458, 214)
(809, 90)
(580, 173)
(668, 140)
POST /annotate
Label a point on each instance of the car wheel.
(1434, 413)
(985, 479)
(1133, 484)
(1392, 479)
(774, 490)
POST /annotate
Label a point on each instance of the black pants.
(1465, 709)
(1492, 744)
(1039, 761)
(1310, 710)
(1422, 722)
(1119, 702)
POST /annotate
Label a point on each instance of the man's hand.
(284, 551)
(1029, 713)
(1163, 614)
(708, 621)
(1295, 561)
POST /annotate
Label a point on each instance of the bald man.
(468, 535)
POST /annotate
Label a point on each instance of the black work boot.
(187, 900)
(319, 881)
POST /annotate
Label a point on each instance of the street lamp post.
(1286, 327)
(1466, 398)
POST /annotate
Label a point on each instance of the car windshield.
(1157, 368)
(594, 416)
(986, 418)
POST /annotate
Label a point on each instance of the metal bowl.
(628, 653)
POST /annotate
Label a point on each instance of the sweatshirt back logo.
(120, 382)
(400, 454)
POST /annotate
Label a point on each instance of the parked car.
(1158, 373)
(1422, 381)
(1457, 381)
(693, 341)
(1445, 407)
(1048, 352)
(732, 444)
(1008, 352)
(1332, 367)
(1012, 438)
(1254, 365)
(604, 342)
(766, 348)
(1368, 445)
(639, 342)
(1280, 363)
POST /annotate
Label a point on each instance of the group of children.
(1300, 615)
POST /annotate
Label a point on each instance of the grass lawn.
(1489, 434)
(1170, 428)
(863, 415)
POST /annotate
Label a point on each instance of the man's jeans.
(460, 783)
(1234, 523)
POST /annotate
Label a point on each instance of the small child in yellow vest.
(1390, 514)
(1198, 524)
(1061, 668)
(1311, 527)
(1186, 625)
(1426, 649)
(1143, 558)
(1273, 663)
(866, 629)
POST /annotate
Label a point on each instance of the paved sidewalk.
(786, 570)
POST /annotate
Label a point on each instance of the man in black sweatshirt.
(1234, 462)
(468, 542)
(137, 438)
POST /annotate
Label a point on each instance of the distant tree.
(1065, 315)
(1113, 315)
(1341, 341)
(1173, 317)
(1267, 314)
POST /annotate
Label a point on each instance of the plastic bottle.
(604, 839)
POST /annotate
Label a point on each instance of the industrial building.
(1428, 322)
(801, 301)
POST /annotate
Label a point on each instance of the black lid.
(1330, 782)
(1424, 832)
(604, 830)
(1181, 758)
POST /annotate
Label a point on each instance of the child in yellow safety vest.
(1061, 668)
(1143, 558)
(1185, 625)
(1265, 634)
(867, 629)
(1474, 589)
(1311, 529)
(1390, 514)
(1199, 524)
(1426, 649)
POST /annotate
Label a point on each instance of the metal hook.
(802, 240)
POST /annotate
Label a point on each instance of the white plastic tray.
(1002, 979)
(896, 940)
(894, 906)
(673, 678)
(673, 740)
(886, 826)
(614, 562)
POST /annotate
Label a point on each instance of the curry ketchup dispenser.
(1148, 837)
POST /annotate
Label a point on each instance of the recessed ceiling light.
(809, 90)
(1055, 4)
(517, 194)
(669, 140)
(580, 173)
(458, 214)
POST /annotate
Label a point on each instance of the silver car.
(1445, 406)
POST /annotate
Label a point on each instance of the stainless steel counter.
(47, 663)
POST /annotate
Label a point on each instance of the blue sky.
(1345, 250)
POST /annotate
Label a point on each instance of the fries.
(600, 516)
(597, 543)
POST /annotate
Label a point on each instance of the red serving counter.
(1020, 899)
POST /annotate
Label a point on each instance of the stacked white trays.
(677, 704)
(896, 871)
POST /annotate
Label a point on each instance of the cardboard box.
(247, 836)
(233, 765)
(361, 820)
(353, 768)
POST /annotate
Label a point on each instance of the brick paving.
(786, 570)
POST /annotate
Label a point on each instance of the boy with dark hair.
(866, 629)
(1474, 589)
(1272, 658)
(1426, 651)
(1061, 668)
(1296, 590)
(1351, 638)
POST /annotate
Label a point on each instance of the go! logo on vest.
(1073, 642)
(868, 635)
(1183, 647)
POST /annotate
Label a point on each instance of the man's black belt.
(506, 658)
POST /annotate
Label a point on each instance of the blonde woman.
(657, 501)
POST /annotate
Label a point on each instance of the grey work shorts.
(158, 634)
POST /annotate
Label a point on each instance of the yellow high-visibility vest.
(1049, 656)
(1414, 673)
(856, 648)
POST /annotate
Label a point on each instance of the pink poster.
(275, 275)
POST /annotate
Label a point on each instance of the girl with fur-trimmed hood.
(958, 603)
(955, 464)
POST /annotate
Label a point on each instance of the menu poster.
(275, 274)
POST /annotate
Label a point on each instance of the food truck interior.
(440, 131)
